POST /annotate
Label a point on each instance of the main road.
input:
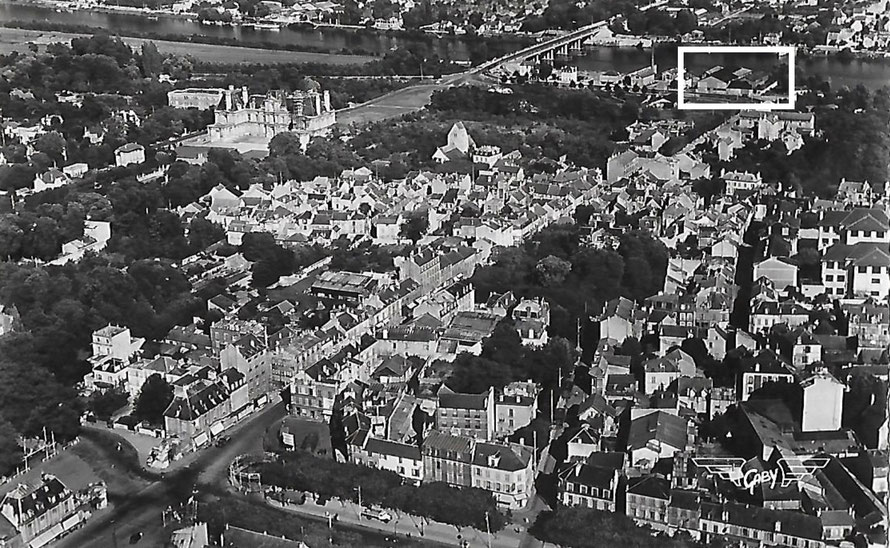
(142, 511)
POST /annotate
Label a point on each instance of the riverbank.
(15, 39)
(52, 15)
(55, 26)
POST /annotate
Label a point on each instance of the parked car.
(381, 515)
(222, 440)
(135, 537)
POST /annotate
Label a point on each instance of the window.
(829, 277)
(861, 269)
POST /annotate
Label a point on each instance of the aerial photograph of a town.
(444, 273)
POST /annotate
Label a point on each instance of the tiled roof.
(448, 442)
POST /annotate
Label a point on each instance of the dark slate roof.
(595, 476)
(606, 460)
(650, 486)
(511, 457)
(386, 447)
(687, 500)
(29, 502)
(660, 426)
(197, 404)
(796, 524)
(453, 400)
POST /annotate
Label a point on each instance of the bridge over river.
(415, 98)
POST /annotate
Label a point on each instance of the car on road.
(135, 537)
(381, 515)
(222, 440)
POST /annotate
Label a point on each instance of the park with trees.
(328, 479)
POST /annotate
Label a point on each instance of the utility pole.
(488, 529)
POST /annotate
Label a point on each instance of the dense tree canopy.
(504, 359)
(10, 451)
(415, 226)
(329, 479)
(856, 128)
(154, 398)
(578, 527)
(636, 270)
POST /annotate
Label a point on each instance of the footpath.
(405, 525)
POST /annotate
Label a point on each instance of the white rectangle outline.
(778, 50)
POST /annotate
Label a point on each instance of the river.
(872, 74)
(330, 38)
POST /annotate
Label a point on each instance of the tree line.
(434, 500)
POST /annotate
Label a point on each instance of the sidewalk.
(403, 524)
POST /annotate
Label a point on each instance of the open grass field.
(391, 105)
(18, 39)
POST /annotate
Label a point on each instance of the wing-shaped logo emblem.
(789, 470)
(797, 468)
(725, 468)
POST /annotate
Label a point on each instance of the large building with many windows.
(243, 116)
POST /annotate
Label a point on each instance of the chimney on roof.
(724, 515)
(778, 526)
(229, 96)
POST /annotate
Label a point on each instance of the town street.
(142, 511)
(405, 524)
